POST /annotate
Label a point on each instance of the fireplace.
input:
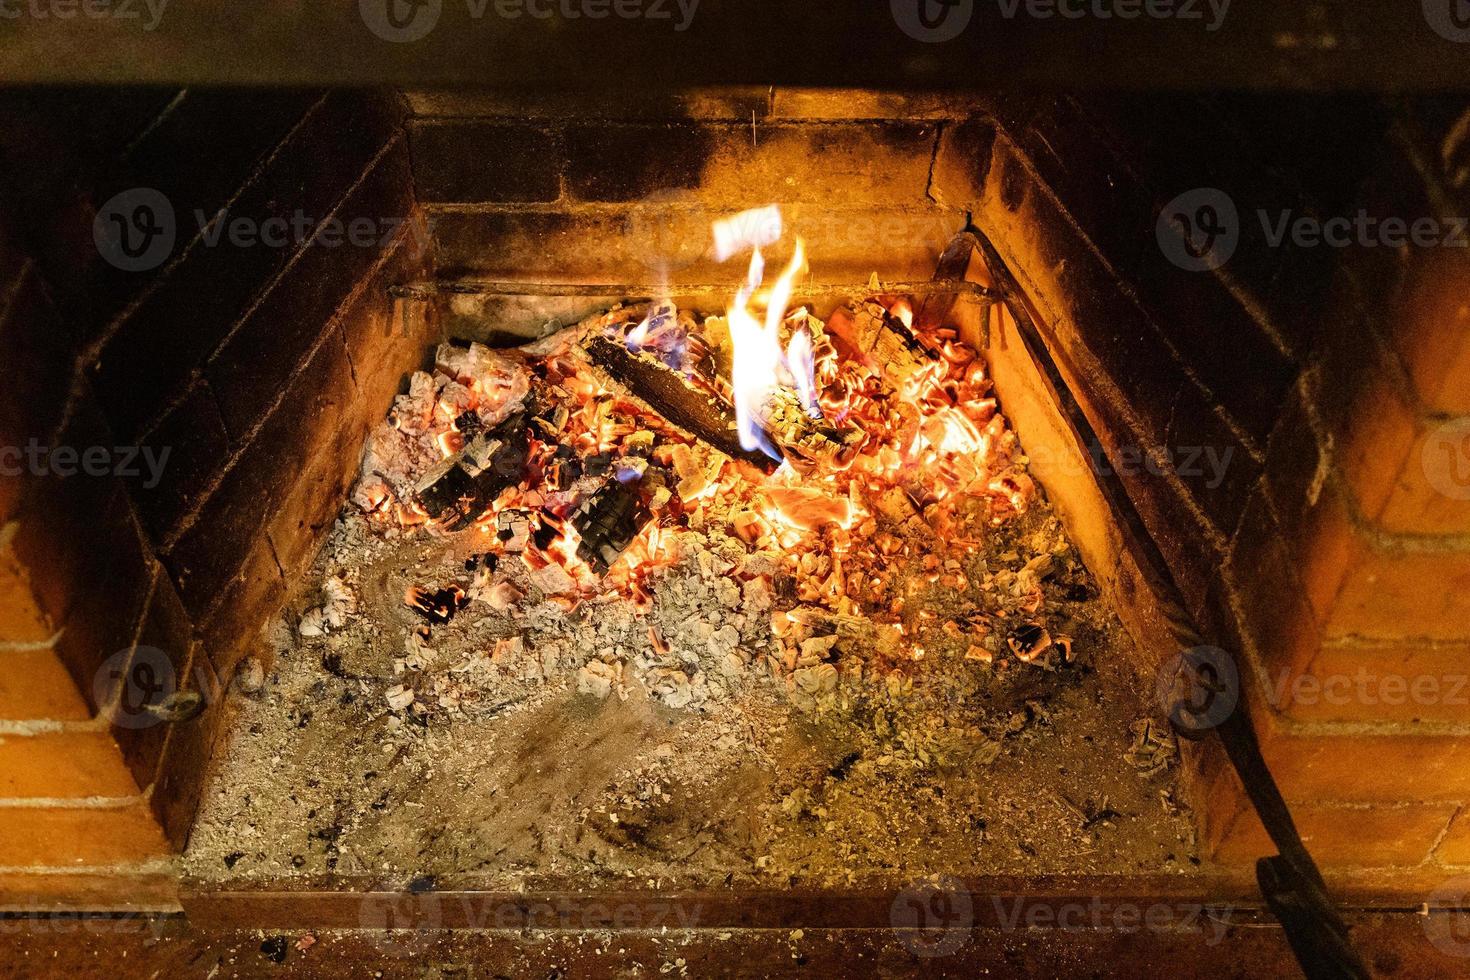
(424, 513)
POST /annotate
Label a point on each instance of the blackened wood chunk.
(668, 394)
(609, 521)
(459, 489)
(438, 606)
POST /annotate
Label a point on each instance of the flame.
(755, 320)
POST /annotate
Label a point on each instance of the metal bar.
(634, 291)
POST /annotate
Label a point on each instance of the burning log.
(874, 333)
(459, 489)
(669, 395)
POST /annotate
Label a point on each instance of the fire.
(887, 432)
(760, 366)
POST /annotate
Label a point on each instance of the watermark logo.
(1445, 458)
(134, 230)
(405, 21)
(1199, 229)
(1198, 688)
(1447, 917)
(398, 917)
(933, 917)
(137, 230)
(400, 21)
(932, 21)
(1450, 19)
(145, 684)
(143, 687)
(668, 230)
(1104, 915)
(1107, 10)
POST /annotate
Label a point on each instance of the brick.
(1114, 176)
(1365, 585)
(860, 104)
(34, 684)
(475, 162)
(208, 558)
(48, 538)
(626, 163)
(874, 163)
(1402, 592)
(259, 358)
(1338, 836)
(62, 765)
(198, 156)
(114, 890)
(1455, 848)
(60, 140)
(193, 434)
(184, 769)
(152, 356)
(22, 620)
(1429, 327)
(110, 592)
(306, 512)
(33, 335)
(727, 102)
(1368, 768)
(1215, 465)
(1278, 620)
(962, 163)
(1392, 462)
(611, 244)
(32, 837)
(233, 628)
(166, 629)
(387, 338)
(1296, 464)
(1401, 682)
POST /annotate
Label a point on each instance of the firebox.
(747, 508)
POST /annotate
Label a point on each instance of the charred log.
(609, 521)
(668, 394)
(459, 489)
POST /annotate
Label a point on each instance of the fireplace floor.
(843, 679)
(531, 782)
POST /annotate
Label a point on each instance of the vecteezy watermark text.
(404, 21)
(1182, 10)
(136, 230)
(1200, 229)
(121, 10)
(933, 21)
(38, 459)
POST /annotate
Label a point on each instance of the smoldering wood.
(458, 490)
(609, 521)
(668, 394)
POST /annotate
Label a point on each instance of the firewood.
(667, 393)
(609, 521)
(459, 489)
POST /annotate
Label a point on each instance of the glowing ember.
(894, 459)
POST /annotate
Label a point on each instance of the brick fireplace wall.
(1332, 554)
(621, 189)
(256, 362)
